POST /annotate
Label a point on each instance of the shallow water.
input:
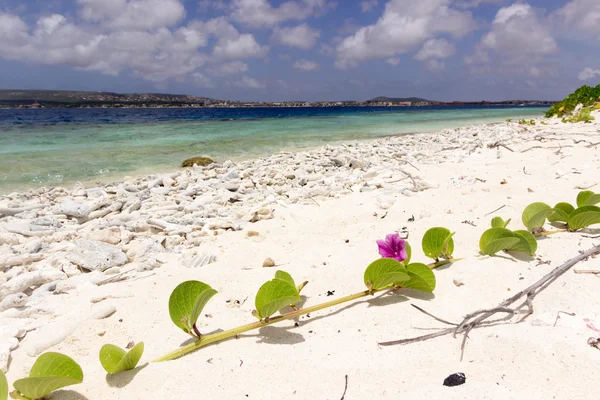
(47, 147)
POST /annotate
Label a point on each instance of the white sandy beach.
(317, 214)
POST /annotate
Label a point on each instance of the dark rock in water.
(200, 161)
(455, 379)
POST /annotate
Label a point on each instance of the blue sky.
(303, 49)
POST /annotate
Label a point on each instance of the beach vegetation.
(51, 371)
(534, 216)
(585, 95)
(187, 302)
(114, 359)
(586, 213)
(499, 238)
(276, 294)
(3, 386)
(437, 243)
(582, 116)
(391, 272)
(525, 122)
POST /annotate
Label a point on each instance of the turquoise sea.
(58, 147)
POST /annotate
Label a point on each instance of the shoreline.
(317, 213)
(149, 171)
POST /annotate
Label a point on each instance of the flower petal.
(384, 249)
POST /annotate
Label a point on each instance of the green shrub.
(585, 95)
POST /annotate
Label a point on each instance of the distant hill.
(66, 97)
(397, 99)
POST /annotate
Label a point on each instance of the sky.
(285, 50)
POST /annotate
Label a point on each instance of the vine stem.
(443, 262)
(205, 340)
(546, 233)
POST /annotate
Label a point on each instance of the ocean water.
(58, 147)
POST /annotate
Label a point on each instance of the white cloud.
(476, 3)
(589, 73)
(368, 5)
(435, 48)
(231, 68)
(519, 35)
(202, 81)
(393, 61)
(216, 4)
(435, 65)
(480, 56)
(580, 15)
(132, 14)
(403, 26)
(301, 36)
(243, 46)
(249, 82)
(156, 54)
(260, 13)
(306, 65)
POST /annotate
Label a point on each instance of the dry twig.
(345, 388)
(497, 209)
(480, 317)
(587, 271)
(495, 145)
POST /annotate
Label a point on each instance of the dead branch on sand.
(480, 317)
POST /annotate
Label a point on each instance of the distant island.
(81, 99)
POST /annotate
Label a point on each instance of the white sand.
(531, 359)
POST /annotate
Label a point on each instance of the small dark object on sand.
(455, 379)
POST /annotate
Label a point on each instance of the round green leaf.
(495, 239)
(587, 198)
(498, 222)
(584, 217)
(561, 212)
(284, 276)
(384, 273)
(50, 371)
(274, 295)
(187, 301)
(421, 277)
(535, 214)
(438, 242)
(3, 387)
(114, 359)
(527, 243)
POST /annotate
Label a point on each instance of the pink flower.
(393, 247)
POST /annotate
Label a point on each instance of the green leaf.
(495, 239)
(535, 215)
(3, 387)
(561, 212)
(384, 273)
(584, 217)
(527, 243)
(274, 295)
(50, 371)
(421, 277)
(438, 242)
(114, 359)
(187, 301)
(587, 198)
(408, 254)
(284, 276)
(498, 222)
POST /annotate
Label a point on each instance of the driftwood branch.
(497, 144)
(480, 317)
